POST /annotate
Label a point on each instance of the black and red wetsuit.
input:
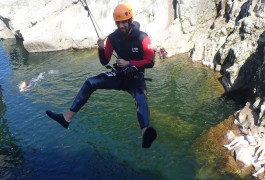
(136, 49)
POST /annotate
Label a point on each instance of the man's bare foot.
(68, 116)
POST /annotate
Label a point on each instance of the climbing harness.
(129, 71)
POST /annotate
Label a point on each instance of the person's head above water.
(123, 17)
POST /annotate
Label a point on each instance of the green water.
(104, 140)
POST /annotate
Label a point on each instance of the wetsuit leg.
(142, 107)
(102, 81)
(143, 113)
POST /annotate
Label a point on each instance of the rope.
(89, 14)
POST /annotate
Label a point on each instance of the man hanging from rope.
(135, 53)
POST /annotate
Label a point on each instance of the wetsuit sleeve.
(148, 55)
(105, 54)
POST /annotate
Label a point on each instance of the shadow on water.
(11, 155)
(91, 164)
(239, 97)
(17, 53)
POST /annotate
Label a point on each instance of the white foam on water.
(53, 71)
(39, 78)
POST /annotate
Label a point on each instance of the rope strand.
(84, 3)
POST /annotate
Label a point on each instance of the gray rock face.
(50, 25)
(260, 76)
(233, 42)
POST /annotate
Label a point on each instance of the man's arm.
(148, 55)
(104, 53)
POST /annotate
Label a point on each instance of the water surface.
(104, 140)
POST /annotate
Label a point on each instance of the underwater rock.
(248, 148)
(210, 151)
(236, 146)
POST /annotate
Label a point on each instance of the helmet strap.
(130, 25)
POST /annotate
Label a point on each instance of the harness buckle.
(129, 71)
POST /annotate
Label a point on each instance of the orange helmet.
(123, 11)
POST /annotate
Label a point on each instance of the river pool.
(104, 140)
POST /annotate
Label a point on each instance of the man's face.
(123, 26)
